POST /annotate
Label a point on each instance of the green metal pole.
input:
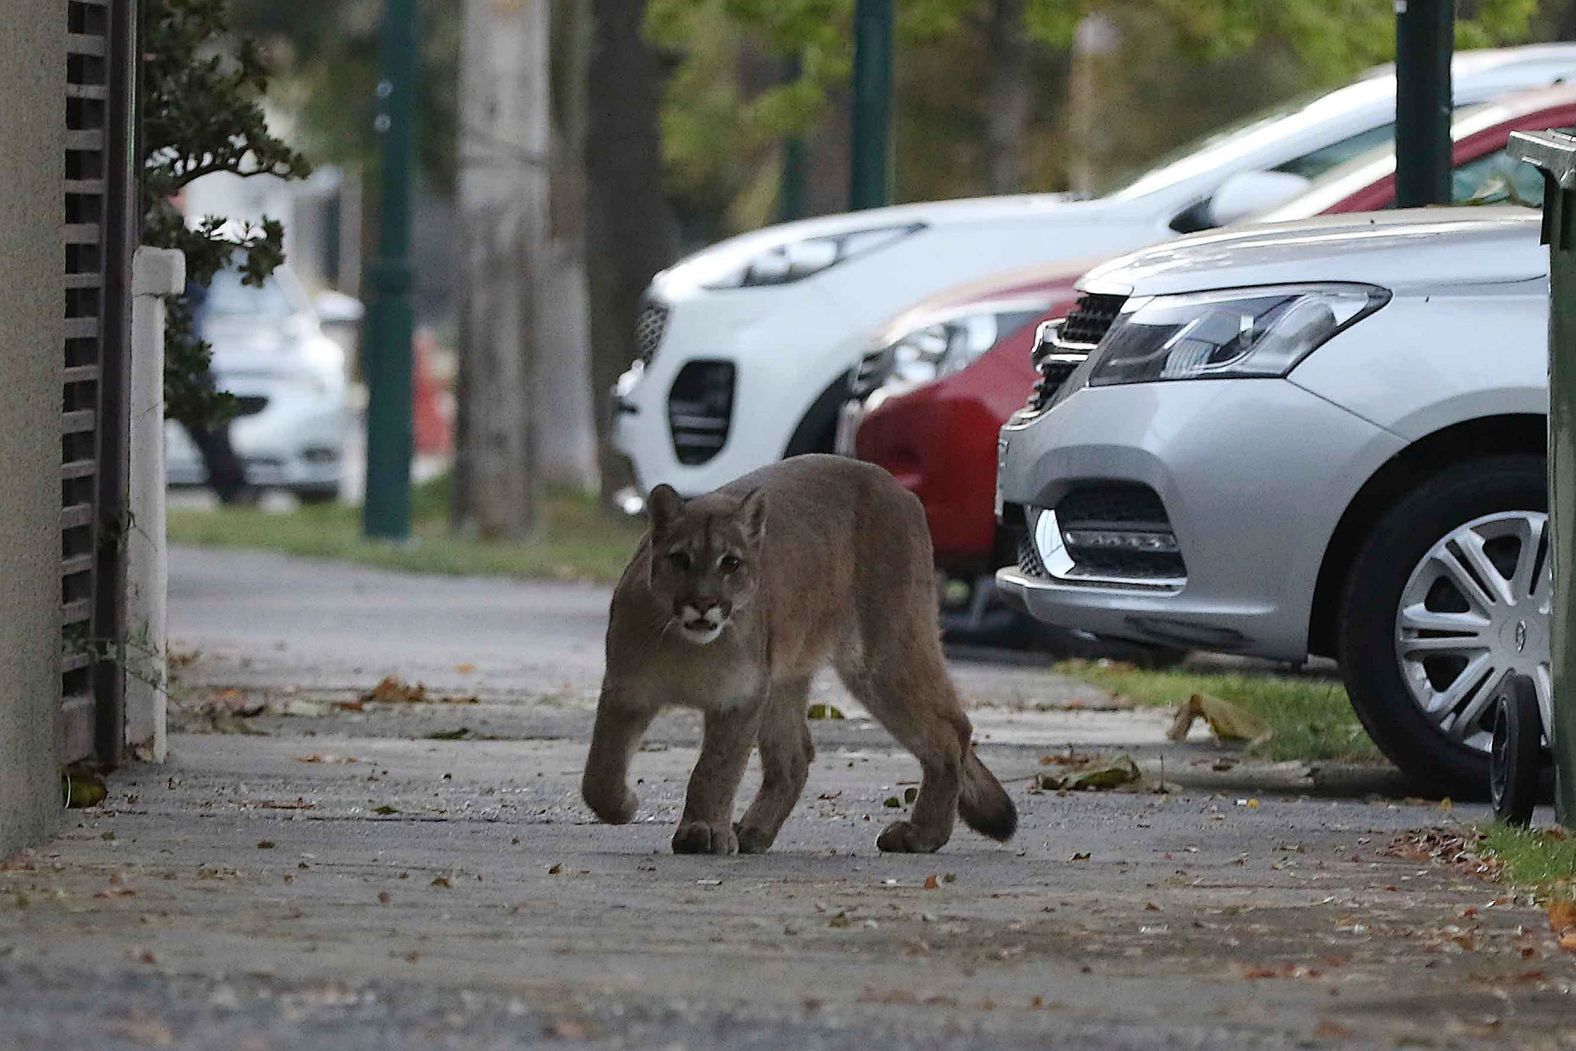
(790, 186)
(1424, 42)
(1560, 210)
(386, 511)
(872, 123)
(1555, 153)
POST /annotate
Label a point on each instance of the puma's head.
(705, 557)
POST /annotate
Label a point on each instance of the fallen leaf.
(892, 801)
(824, 711)
(1082, 855)
(556, 869)
(910, 794)
(83, 788)
(465, 669)
(1562, 915)
(1228, 721)
(568, 1029)
(1097, 777)
(931, 882)
(460, 734)
(442, 881)
(391, 689)
(265, 844)
(384, 897)
(839, 920)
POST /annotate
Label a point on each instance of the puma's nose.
(713, 611)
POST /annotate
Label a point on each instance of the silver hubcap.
(1474, 611)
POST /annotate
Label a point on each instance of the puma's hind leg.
(915, 702)
(786, 753)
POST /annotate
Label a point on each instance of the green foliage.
(201, 114)
(326, 57)
(728, 55)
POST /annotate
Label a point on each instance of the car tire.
(1388, 561)
(1516, 765)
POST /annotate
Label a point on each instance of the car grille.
(1119, 530)
(700, 410)
(871, 372)
(1086, 326)
(1029, 559)
(650, 323)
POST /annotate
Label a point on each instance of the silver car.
(1323, 437)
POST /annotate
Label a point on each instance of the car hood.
(708, 265)
(1404, 251)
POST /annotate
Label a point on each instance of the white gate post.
(155, 273)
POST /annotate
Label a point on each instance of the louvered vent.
(91, 378)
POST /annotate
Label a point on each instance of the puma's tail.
(983, 804)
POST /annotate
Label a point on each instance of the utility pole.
(504, 187)
(1424, 42)
(790, 185)
(386, 510)
(870, 172)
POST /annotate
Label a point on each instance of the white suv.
(744, 349)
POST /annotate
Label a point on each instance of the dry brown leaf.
(1228, 721)
(931, 882)
(391, 689)
(1562, 916)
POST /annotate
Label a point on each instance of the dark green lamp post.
(386, 510)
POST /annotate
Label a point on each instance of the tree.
(630, 232)
(201, 114)
(504, 183)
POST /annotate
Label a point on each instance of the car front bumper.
(295, 442)
(1253, 476)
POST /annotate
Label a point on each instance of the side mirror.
(336, 308)
(1247, 194)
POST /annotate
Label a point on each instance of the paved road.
(344, 881)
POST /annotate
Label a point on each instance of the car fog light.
(1120, 540)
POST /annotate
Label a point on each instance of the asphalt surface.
(326, 873)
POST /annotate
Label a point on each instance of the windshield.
(228, 299)
(1222, 148)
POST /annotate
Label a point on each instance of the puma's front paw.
(905, 837)
(697, 837)
(753, 840)
(614, 804)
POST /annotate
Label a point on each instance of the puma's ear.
(663, 507)
(752, 513)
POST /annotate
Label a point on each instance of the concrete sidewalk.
(345, 881)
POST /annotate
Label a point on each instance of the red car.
(939, 438)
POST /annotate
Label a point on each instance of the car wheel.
(1448, 598)
(1516, 758)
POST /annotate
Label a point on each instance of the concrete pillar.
(32, 311)
(155, 273)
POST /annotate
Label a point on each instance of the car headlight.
(786, 263)
(1240, 332)
(938, 349)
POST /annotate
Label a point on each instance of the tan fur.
(833, 566)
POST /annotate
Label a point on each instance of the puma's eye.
(679, 560)
(729, 563)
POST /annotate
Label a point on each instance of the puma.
(734, 600)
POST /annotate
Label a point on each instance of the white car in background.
(743, 350)
(289, 382)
